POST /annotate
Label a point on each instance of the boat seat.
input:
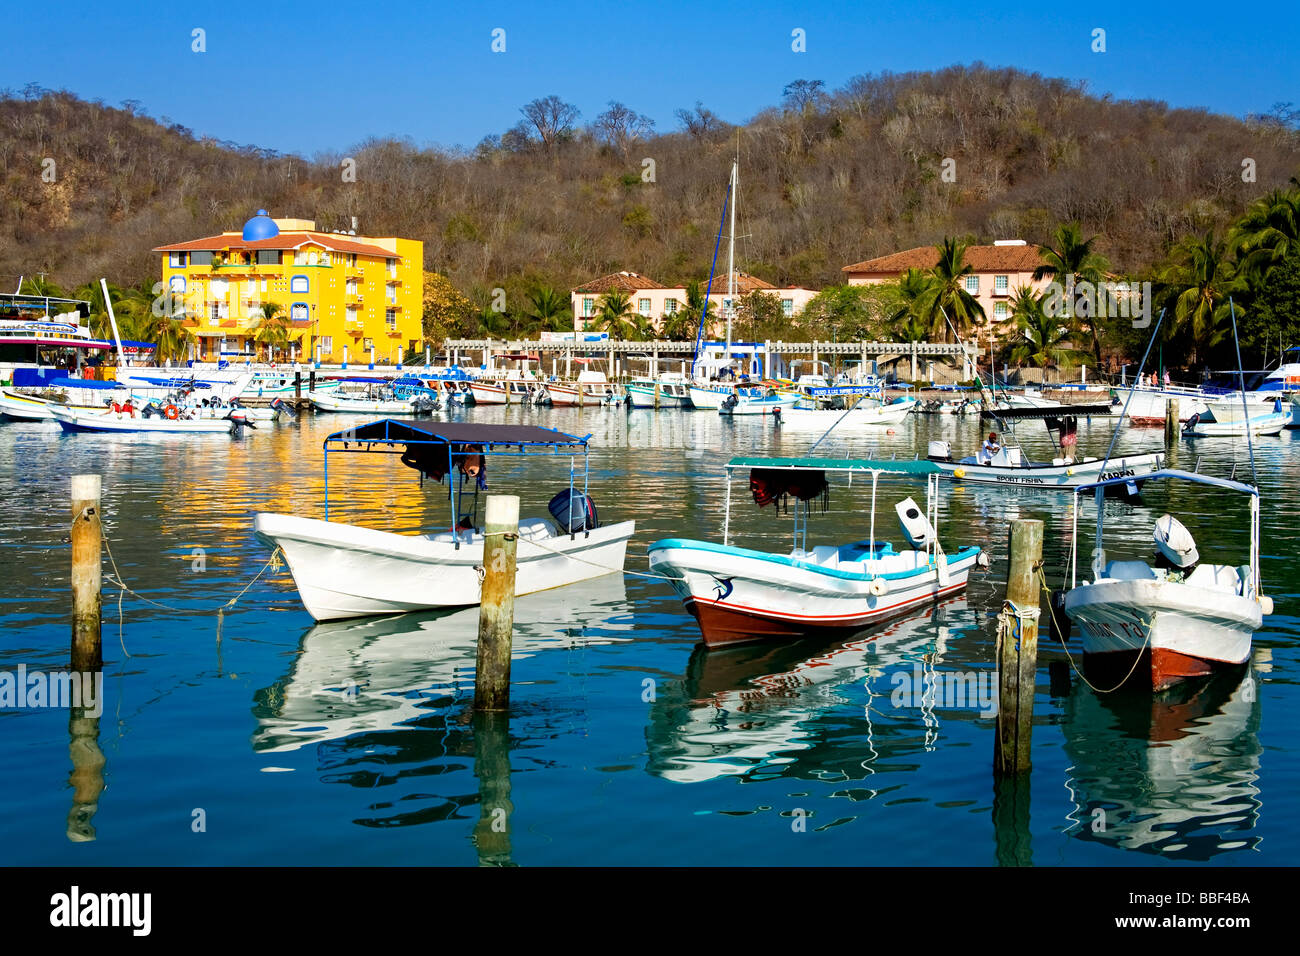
(531, 529)
(827, 555)
(1215, 577)
(1129, 570)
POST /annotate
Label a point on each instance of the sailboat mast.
(731, 258)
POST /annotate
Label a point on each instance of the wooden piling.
(1018, 659)
(297, 387)
(580, 395)
(496, 613)
(656, 395)
(1171, 420)
(87, 546)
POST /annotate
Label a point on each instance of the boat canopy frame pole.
(875, 561)
(726, 514)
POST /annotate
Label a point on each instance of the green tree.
(760, 317)
(272, 328)
(847, 313)
(905, 311)
(614, 315)
(1268, 233)
(550, 309)
(1201, 277)
(946, 293)
(1071, 259)
(1041, 339)
(41, 285)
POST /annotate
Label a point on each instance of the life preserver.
(172, 412)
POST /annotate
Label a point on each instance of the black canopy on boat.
(390, 430)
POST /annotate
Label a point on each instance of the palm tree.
(1072, 260)
(1203, 274)
(1269, 232)
(91, 292)
(680, 326)
(907, 317)
(614, 315)
(40, 285)
(1043, 340)
(550, 311)
(946, 293)
(272, 328)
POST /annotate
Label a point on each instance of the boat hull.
(338, 403)
(738, 596)
(643, 396)
(1268, 424)
(872, 416)
(111, 423)
(345, 571)
(1056, 477)
(1175, 630)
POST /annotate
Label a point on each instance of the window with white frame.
(327, 344)
(176, 260)
(972, 284)
(670, 307)
(1000, 310)
(391, 292)
(588, 307)
(787, 307)
(1000, 285)
(298, 312)
(352, 287)
(390, 318)
(298, 284)
(351, 314)
(643, 306)
(392, 268)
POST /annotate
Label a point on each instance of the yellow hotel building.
(337, 291)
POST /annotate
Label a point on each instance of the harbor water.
(254, 737)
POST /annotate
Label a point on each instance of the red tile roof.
(623, 281)
(745, 283)
(979, 258)
(285, 240)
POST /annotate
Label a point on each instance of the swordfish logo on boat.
(722, 587)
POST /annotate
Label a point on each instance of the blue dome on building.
(261, 226)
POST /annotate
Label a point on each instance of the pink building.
(657, 302)
(997, 272)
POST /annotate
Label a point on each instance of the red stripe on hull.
(1165, 667)
(720, 624)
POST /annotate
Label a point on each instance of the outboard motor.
(1192, 422)
(576, 507)
(916, 528)
(283, 408)
(150, 410)
(776, 415)
(730, 402)
(939, 451)
(1175, 546)
(241, 422)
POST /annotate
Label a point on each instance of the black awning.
(1053, 411)
(459, 433)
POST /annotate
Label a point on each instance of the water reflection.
(87, 777)
(372, 675)
(1173, 774)
(762, 711)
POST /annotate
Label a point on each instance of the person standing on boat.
(1166, 378)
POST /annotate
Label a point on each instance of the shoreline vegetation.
(1108, 191)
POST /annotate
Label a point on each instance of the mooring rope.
(594, 564)
(116, 579)
(1075, 667)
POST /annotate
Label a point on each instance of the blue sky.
(339, 73)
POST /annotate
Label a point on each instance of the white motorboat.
(1006, 464)
(737, 594)
(757, 400)
(370, 404)
(343, 570)
(674, 391)
(126, 423)
(1172, 617)
(711, 396)
(22, 407)
(595, 388)
(506, 391)
(1147, 405)
(1227, 418)
(867, 413)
